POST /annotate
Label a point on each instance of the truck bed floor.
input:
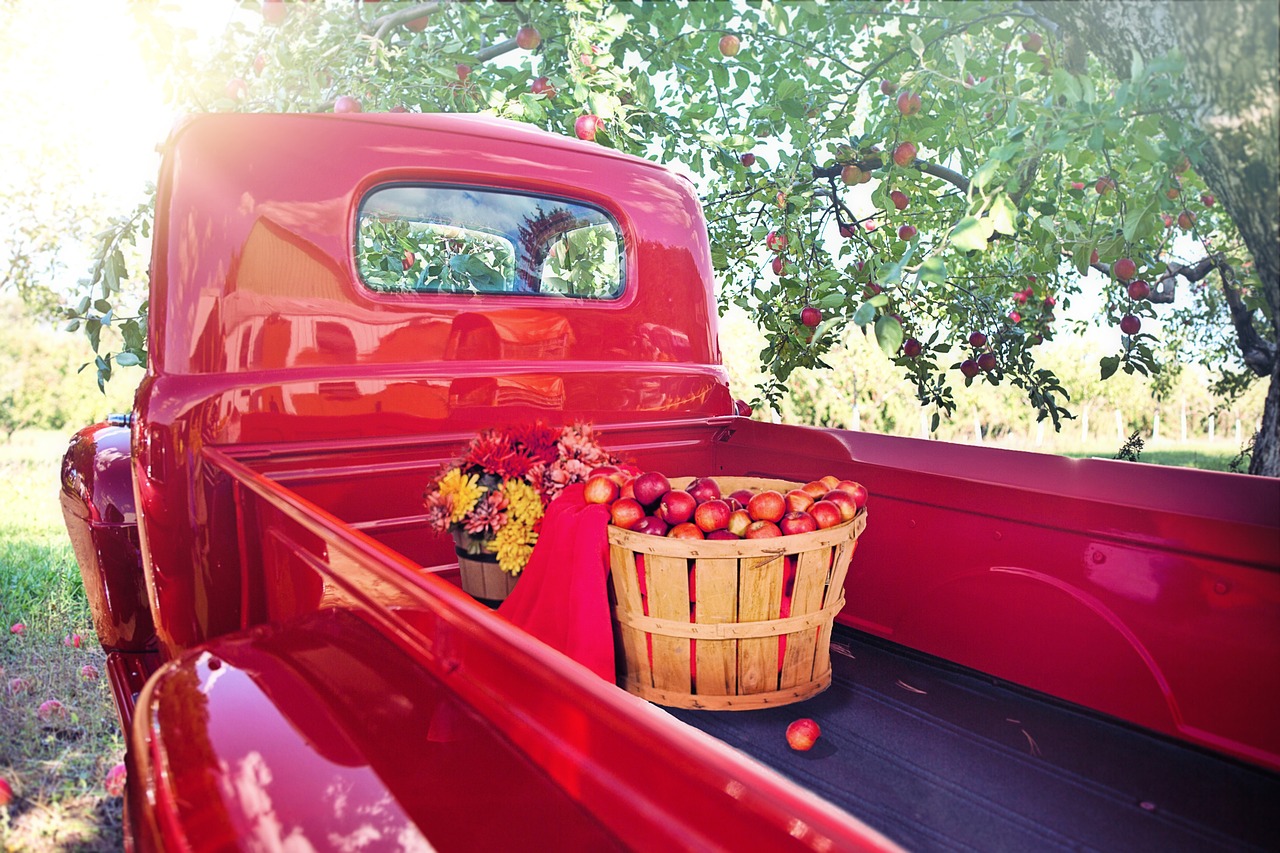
(939, 758)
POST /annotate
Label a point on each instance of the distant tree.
(942, 175)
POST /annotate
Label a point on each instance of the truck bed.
(941, 758)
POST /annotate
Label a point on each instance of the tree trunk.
(1233, 79)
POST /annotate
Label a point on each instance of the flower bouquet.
(492, 498)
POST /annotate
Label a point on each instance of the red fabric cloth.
(562, 597)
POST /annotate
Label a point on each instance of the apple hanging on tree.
(810, 316)
(1125, 269)
(908, 103)
(1139, 289)
(911, 348)
(730, 45)
(1130, 325)
(899, 199)
(587, 126)
(528, 37)
(905, 154)
(346, 104)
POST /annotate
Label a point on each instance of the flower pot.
(478, 567)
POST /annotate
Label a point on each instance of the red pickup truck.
(1035, 653)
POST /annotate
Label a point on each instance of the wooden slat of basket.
(626, 586)
(717, 584)
(812, 571)
(759, 598)
(835, 593)
(667, 580)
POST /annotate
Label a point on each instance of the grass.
(55, 766)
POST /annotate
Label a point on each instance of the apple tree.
(948, 177)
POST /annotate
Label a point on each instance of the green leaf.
(917, 45)
(1080, 256)
(127, 359)
(971, 233)
(865, 314)
(985, 173)
(1109, 365)
(934, 269)
(1064, 84)
(1004, 215)
(888, 335)
(959, 52)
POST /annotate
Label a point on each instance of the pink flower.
(50, 709)
(17, 628)
(115, 779)
(72, 641)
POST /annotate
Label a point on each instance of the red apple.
(768, 505)
(542, 86)
(115, 779)
(703, 489)
(1125, 269)
(987, 362)
(742, 496)
(797, 522)
(829, 480)
(259, 62)
(676, 507)
(274, 11)
(977, 339)
(844, 501)
(969, 368)
(712, 515)
(906, 232)
(888, 87)
(650, 487)
(853, 175)
(912, 348)
(1130, 324)
(407, 261)
(51, 709)
(776, 242)
(908, 103)
(417, 25)
(587, 126)
(847, 231)
(1032, 42)
(600, 489)
(1207, 199)
(815, 489)
(463, 71)
(1186, 219)
(798, 500)
(652, 525)
(1139, 289)
(1104, 185)
(803, 734)
(528, 37)
(730, 45)
(685, 530)
(856, 489)
(748, 159)
(626, 513)
(810, 316)
(762, 529)
(739, 521)
(724, 535)
(905, 153)
(899, 199)
(346, 104)
(17, 628)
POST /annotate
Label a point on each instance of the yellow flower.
(465, 489)
(513, 544)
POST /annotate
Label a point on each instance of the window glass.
(435, 239)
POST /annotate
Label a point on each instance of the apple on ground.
(650, 487)
(803, 734)
(676, 507)
(844, 501)
(826, 514)
(703, 489)
(600, 489)
(798, 500)
(712, 515)
(762, 529)
(51, 709)
(739, 521)
(651, 525)
(685, 530)
(768, 505)
(72, 641)
(797, 522)
(626, 513)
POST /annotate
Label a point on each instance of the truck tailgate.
(940, 758)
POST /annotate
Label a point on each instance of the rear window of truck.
(449, 239)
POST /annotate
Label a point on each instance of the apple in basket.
(600, 489)
(685, 530)
(676, 507)
(797, 522)
(826, 514)
(739, 521)
(845, 501)
(742, 496)
(768, 505)
(651, 525)
(856, 489)
(798, 500)
(712, 515)
(762, 529)
(650, 487)
(703, 489)
(626, 513)
(814, 489)
(723, 534)
(613, 472)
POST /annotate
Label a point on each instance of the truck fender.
(322, 733)
(98, 507)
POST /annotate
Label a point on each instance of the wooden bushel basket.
(480, 574)
(713, 637)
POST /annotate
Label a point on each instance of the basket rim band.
(731, 630)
